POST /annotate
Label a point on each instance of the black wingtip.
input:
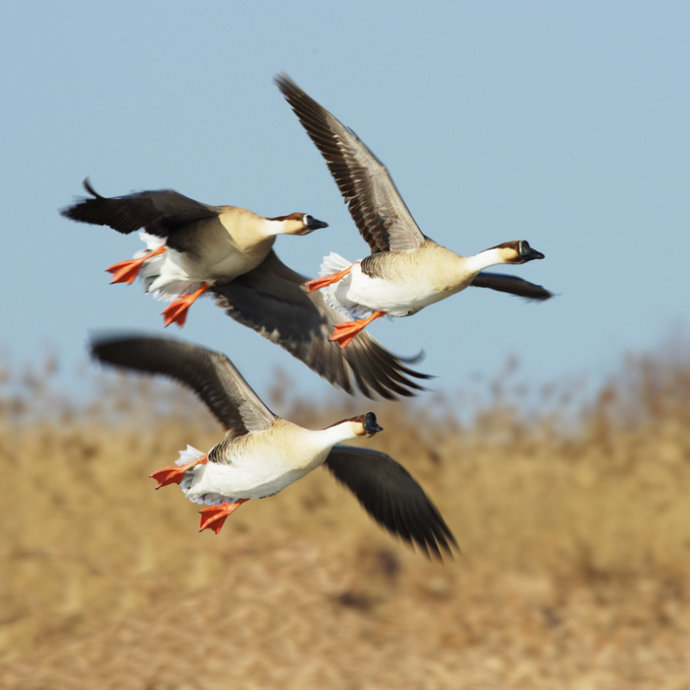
(86, 183)
(73, 212)
(103, 345)
(111, 347)
(284, 82)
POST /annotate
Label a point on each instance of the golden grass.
(575, 531)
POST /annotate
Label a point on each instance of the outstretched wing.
(211, 375)
(511, 284)
(373, 200)
(271, 300)
(160, 212)
(389, 493)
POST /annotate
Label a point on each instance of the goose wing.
(373, 200)
(389, 493)
(160, 212)
(209, 374)
(271, 300)
(511, 284)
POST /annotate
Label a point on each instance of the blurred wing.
(389, 493)
(271, 300)
(512, 284)
(373, 200)
(161, 212)
(209, 374)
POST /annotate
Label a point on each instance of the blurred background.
(555, 437)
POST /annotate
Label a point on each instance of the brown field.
(574, 526)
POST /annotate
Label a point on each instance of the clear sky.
(566, 124)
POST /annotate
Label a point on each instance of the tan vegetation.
(575, 530)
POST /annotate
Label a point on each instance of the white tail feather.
(333, 263)
(152, 242)
(189, 454)
(162, 275)
(335, 292)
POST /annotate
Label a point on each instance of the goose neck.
(478, 262)
(343, 431)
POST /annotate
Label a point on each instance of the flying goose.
(261, 453)
(406, 270)
(190, 245)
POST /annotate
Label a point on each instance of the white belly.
(255, 469)
(214, 482)
(173, 274)
(397, 298)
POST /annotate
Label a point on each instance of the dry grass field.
(574, 526)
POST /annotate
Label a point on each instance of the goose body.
(233, 243)
(406, 270)
(218, 259)
(192, 247)
(403, 283)
(264, 462)
(260, 453)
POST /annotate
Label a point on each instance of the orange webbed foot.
(319, 283)
(127, 271)
(177, 311)
(174, 474)
(345, 332)
(214, 517)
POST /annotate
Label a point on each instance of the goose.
(192, 247)
(406, 270)
(261, 453)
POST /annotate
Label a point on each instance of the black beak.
(315, 224)
(371, 427)
(527, 253)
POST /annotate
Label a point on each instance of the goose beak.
(315, 224)
(371, 426)
(526, 252)
(311, 224)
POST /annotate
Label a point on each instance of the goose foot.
(177, 311)
(319, 283)
(214, 517)
(344, 332)
(127, 271)
(173, 474)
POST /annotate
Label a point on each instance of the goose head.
(517, 252)
(300, 224)
(365, 425)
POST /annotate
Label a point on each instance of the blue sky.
(565, 124)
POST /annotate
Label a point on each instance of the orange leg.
(319, 283)
(214, 517)
(173, 474)
(177, 311)
(127, 271)
(344, 332)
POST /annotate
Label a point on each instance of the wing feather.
(389, 493)
(375, 204)
(513, 285)
(160, 212)
(271, 299)
(211, 375)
